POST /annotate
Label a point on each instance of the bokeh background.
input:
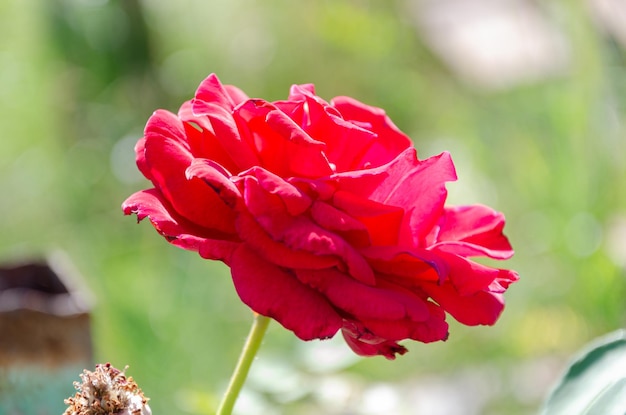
(529, 97)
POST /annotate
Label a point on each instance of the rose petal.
(213, 101)
(282, 146)
(166, 160)
(202, 140)
(379, 347)
(339, 222)
(217, 178)
(382, 221)
(408, 266)
(212, 91)
(473, 231)
(178, 231)
(433, 329)
(419, 188)
(140, 158)
(276, 293)
(278, 253)
(481, 308)
(364, 301)
(346, 142)
(318, 189)
(299, 233)
(390, 141)
(296, 202)
(469, 277)
(236, 95)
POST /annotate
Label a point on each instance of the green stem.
(255, 337)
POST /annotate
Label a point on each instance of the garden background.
(529, 98)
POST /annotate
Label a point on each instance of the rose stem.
(255, 337)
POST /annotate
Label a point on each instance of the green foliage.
(595, 383)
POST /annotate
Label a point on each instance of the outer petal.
(202, 140)
(274, 292)
(432, 330)
(209, 244)
(480, 308)
(416, 186)
(469, 277)
(385, 348)
(472, 231)
(212, 91)
(140, 157)
(214, 101)
(236, 95)
(419, 188)
(390, 140)
(167, 157)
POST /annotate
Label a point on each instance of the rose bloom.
(324, 214)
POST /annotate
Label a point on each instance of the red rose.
(324, 214)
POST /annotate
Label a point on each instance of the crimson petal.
(176, 230)
(167, 157)
(274, 292)
(364, 301)
(473, 231)
(480, 308)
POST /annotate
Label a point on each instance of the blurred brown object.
(45, 335)
(44, 315)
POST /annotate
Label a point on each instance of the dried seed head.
(107, 391)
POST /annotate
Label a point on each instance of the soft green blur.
(79, 79)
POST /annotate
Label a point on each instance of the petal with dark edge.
(216, 178)
(382, 347)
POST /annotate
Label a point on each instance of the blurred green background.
(79, 79)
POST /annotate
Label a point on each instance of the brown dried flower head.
(107, 391)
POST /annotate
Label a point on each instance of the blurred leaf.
(595, 383)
